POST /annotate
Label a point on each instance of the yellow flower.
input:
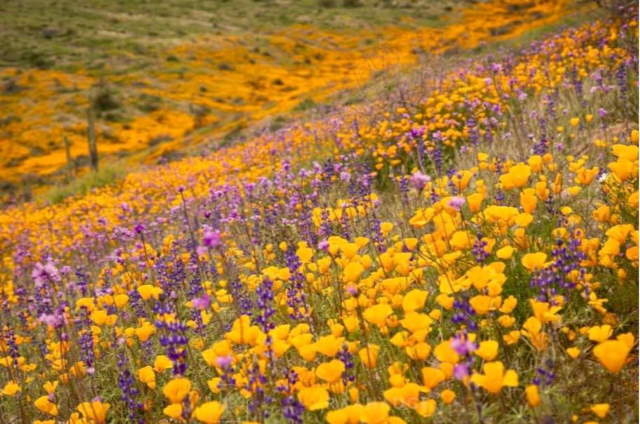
(11, 388)
(50, 386)
(444, 352)
(176, 389)
(600, 333)
(573, 352)
(505, 252)
(487, 350)
(209, 412)
(378, 314)
(100, 317)
(328, 345)
(447, 396)
(314, 398)
(511, 337)
(414, 300)
(627, 152)
(534, 261)
(304, 252)
(147, 376)
(528, 200)
(352, 272)
(375, 413)
(148, 291)
(242, 332)
(600, 409)
(145, 331)
(94, 411)
(494, 377)
(45, 405)
(509, 305)
(404, 395)
(348, 415)
(612, 354)
(545, 312)
(475, 201)
(386, 227)
(174, 411)
(369, 355)
(161, 363)
(516, 177)
(624, 169)
(426, 408)
(533, 395)
(481, 304)
(431, 377)
(330, 371)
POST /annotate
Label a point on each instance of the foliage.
(462, 249)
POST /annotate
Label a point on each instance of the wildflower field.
(168, 92)
(462, 248)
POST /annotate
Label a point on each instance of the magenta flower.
(52, 320)
(42, 274)
(419, 180)
(212, 238)
(201, 302)
(224, 361)
(456, 202)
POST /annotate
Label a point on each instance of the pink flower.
(456, 202)
(224, 361)
(419, 180)
(211, 238)
(201, 302)
(52, 320)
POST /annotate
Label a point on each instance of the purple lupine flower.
(375, 232)
(296, 297)
(553, 279)
(292, 410)
(264, 304)
(436, 153)
(241, 299)
(464, 313)
(541, 147)
(544, 377)
(256, 385)
(347, 359)
(478, 249)
(174, 341)
(129, 392)
(12, 345)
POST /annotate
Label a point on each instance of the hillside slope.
(470, 238)
(204, 88)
